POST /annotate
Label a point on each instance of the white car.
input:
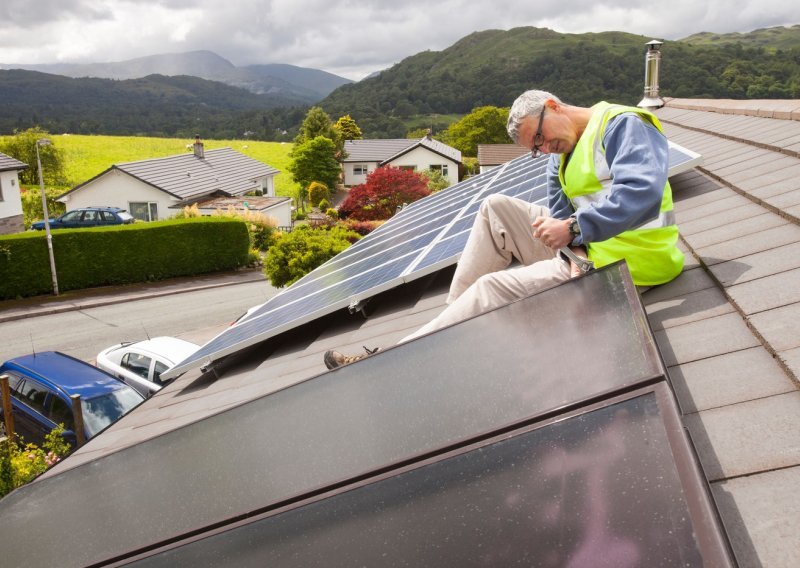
(140, 364)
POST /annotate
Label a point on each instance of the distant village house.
(365, 156)
(155, 189)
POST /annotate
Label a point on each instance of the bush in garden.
(332, 213)
(363, 228)
(297, 253)
(324, 205)
(385, 189)
(20, 464)
(261, 228)
(317, 192)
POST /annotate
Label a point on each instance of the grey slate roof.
(384, 151)
(496, 154)
(728, 328)
(186, 176)
(8, 163)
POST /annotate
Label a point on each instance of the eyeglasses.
(538, 139)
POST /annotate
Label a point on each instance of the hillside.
(287, 83)
(154, 105)
(489, 67)
(771, 39)
(492, 67)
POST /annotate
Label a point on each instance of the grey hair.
(529, 103)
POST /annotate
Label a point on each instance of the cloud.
(347, 37)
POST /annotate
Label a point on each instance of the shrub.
(332, 213)
(324, 205)
(436, 180)
(188, 212)
(261, 228)
(20, 464)
(120, 254)
(317, 192)
(363, 228)
(304, 249)
(385, 189)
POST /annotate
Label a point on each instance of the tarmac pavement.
(11, 310)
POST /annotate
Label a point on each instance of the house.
(10, 200)
(364, 156)
(492, 155)
(727, 332)
(151, 189)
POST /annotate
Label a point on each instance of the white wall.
(351, 179)
(10, 202)
(117, 189)
(423, 159)
(268, 185)
(282, 212)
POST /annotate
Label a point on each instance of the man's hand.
(554, 233)
(574, 271)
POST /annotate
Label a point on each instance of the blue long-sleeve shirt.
(638, 159)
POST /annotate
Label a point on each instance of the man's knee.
(495, 201)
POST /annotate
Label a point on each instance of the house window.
(1, 188)
(360, 169)
(144, 211)
(440, 168)
(408, 168)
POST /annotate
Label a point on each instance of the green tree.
(484, 125)
(436, 181)
(316, 123)
(22, 146)
(315, 160)
(347, 128)
(317, 192)
(304, 249)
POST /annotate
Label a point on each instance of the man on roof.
(608, 200)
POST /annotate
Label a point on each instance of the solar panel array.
(425, 236)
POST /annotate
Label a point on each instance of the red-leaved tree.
(384, 190)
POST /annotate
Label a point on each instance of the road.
(195, 316)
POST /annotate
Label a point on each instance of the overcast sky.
(351, 38)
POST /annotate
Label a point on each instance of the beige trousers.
(501, 233)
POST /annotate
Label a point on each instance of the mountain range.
(200, 92)
(298, 85)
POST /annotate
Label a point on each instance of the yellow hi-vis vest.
(650, 249)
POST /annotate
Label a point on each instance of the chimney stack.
(198, 147)
(652, 63)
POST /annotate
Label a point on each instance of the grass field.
(87, 156)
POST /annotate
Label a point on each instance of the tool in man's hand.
(583, 264)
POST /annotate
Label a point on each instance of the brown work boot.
(334, 359)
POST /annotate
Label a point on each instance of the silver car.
(140, 364)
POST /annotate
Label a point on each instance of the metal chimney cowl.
(198, 148)
(652, 63)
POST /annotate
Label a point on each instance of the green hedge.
(120, 254)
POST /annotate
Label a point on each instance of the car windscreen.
(102, 410)
(124, 215)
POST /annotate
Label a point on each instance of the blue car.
(41, 385)
(87, 217)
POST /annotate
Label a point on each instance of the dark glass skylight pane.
(596, 489)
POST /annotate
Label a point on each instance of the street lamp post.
(46, 142)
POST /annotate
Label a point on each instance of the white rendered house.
(153, 189)
(365, 156)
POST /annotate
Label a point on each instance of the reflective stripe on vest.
(665, 218)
